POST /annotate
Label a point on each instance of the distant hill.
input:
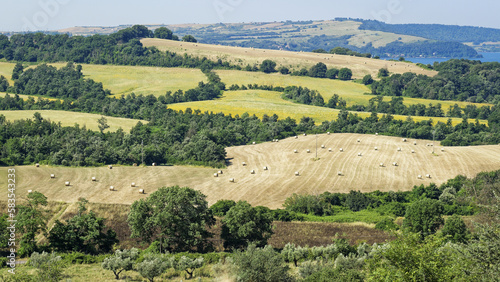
(363, 36)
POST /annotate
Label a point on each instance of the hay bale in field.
(110, 166)
(52, 176)
(322, 146)
(37, 165)
(359, 154)
(359, 140)
(219, 172)
(376, 133)
(442, 149)
(399, 149)
(265, 168)
(415, 143)
(376, 149)
(404, 140)
(308, 151)
(252, 171)
(231, 179)
(305, 134)
(93, 178)
(329, 149)
(141, 191)
(67, 183)
(428, 176)
(296, 137)
(243, 164)
(395, 164)
(216, 174)
(381, 164)
(295, 151)
(328, 133)
(339, 173)
(413, 151)
(132, 184)
(253, 143)
(342, 150)
(153, 164)
(297, 173)
(419, 176)
(29, 191)
(111, 188)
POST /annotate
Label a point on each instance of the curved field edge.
(272, 186)
(260, 102)
(67, 118)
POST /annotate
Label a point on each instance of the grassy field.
(122, 80)
(292, 60)
(6, 70)
(260, 102)
(271, 187)
(71, 118)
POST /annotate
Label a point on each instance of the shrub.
(455, 228)
(50, 266)
(387, 224)
(152, 266)
(120, 261)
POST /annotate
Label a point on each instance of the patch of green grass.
(6, 70)
(367, 216)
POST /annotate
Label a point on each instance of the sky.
(31, 15)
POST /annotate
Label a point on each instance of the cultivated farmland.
(272, 186)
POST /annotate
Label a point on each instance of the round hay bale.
(110, 166)
(305, 134)
(37, 165)
(29, 191)
(419, 176)
(253, 143)
(428, 175)
(359, 140)
(339, 173)
(413, 151)
(252, 171)
(216, 174)
(376, 133)
(265, 168)
(329, 149)
(296, 137)
(404, 140)
(415, 143)
(399, 149)
(308, 151)
(219, 172)
(376, 149)
(231, 179)
(67, 183)
(295, 151)
(111, 188)
(342, 150)
(322, 146)
(93, 178)
(442, 149)
(297, 173)
(328, 133)
(395, 164)
(134, 164)
(359, 154)
(381, 164)
(141, 191)
(52, 176)
(153, 164)
(132, 184)
(243, 164)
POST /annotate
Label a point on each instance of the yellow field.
(353, 93)
(122, 80)
(271, 187)
(292, 60)
(260, 102)
(71, 118)
(6, 70)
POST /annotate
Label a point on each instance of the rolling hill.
(272, 186)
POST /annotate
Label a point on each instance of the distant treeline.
(459, 80)
(120, 48)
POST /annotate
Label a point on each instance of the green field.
(260, 102)
(353, 93)
(72, 118)
(122, 80)
(6, 70)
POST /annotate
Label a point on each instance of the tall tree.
(268, 66)
(345, 74)
(177, 217)
(424, 217)
(31, 221)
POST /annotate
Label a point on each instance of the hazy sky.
(57, 14)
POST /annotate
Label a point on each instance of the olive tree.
(120, 261)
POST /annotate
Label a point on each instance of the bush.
(80, 258)
(455, 228)
(152, 266)
(50, 266)
(387, 224)
(221, 207)
(120, 261)
(345, 74)
(257, 264)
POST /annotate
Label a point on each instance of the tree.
(455, 228)
(82, 233)
(221, 207)
(189, 38)
(50, 266)
(284, 70)
(163, 33)
(318, 70)
(4, 232)
(257, 264)
(152, 266)
(18, 70)
(367, 79)
(332, 73)
(383, 72)
(31, 221)
(188, 264)
(424, 217)
(292, 253)
(177, 217)
(268, 66)
(102, 123)
(120, 261)
(345, 74)
(244, 224)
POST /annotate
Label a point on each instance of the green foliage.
(153, 266)
(82, 233)
(327, 274)
(307, 204)
(177, 217)
(189, 38)
(260, 264)
(332, 73)
(292, 253)
(4, 84)
(244, 224)
(221, 207)
(188, 264)
(50, 266)
(367, 79)
(163, 33)
(284, 70)
(318, 70)
(268, 66)
(424, 217)
(345, 74)
(4, 232)
(17, 71)
(356, 201)
(383, 72)
(102, 124)
(31, 222)
(80, 258)
(455, 228)
(121, 261)
(387, 224)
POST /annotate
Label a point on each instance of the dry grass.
(6, 70)
(271, 187)
(72, 118)
(292, 60)
(260, 102)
